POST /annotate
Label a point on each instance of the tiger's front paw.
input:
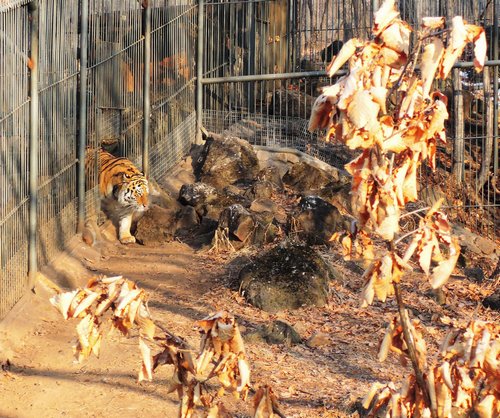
(127, 240)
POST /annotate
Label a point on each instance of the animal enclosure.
(140, 78)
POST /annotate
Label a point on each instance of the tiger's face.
(133, 194)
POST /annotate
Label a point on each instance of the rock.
(88, 236)
(239, 222)
(475, 274)
(161, 198)
(261, 189)
(486, 246)
(263, 205)
(318, 220)
(156, 227)
(271, 174)
(227, 160)
(304, 177)
(318, 339)
(338, 194)
(493, 301)
(286, 277)
(231, 195)
(196, 194)
(186, 218)
(280, 332)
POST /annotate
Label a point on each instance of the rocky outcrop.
(286, 277)
(318, 220)
(227, 160)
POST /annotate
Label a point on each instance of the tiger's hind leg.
(124, 234)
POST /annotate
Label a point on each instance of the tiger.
(123, 189)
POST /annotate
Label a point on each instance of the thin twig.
(401, 238)
(413, 212)
(411, 349)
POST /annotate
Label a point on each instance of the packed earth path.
(325, 374)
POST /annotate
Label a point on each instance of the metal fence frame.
(143, 77)
(74, 75)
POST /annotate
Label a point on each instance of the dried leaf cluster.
(221, 355)
(384, 106)
(466, 381)
(116, 299)
(121, 304)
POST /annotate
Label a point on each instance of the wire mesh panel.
(173, 56)
(114, 91)
(58, 77)
(14, 134)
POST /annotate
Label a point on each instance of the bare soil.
(39, 378)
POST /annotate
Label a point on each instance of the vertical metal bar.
(33, 143)
(199, 70)
(458, 144)
(251, 56)
(495, 88)
(146, 32)
(82, 111)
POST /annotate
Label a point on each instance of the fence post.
(82, 111)
(199, 70)
(33, 143)
(458, 143)
(146, 99)
(487, 148)
(495, 89)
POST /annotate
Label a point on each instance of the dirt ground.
(40, 379)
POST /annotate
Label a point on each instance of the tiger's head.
(133, 192)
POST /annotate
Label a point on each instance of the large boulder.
(246, 228)
(196, 194)
(287, 277)
(239, 222)
(156, 227)
(227, 160)
(305, 177)
(318, 220)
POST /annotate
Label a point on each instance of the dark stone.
(161, 198)
(280, 332)
(475, 274)
(493, 301)
(318, 220)
(304, 177)
(338, 194)
(263, 205)
(156, 227)
(187, 218)
(286, 277)
(271, 174)
(197, 194)
(260, 190)
(239, 222)
(228, 160)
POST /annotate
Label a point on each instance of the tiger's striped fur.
(123, 189)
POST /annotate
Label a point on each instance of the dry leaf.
(433, 22)
(346, 52)
(384, 16)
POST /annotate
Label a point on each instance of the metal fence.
(85, 73)
(266, 63)
(78, 74)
